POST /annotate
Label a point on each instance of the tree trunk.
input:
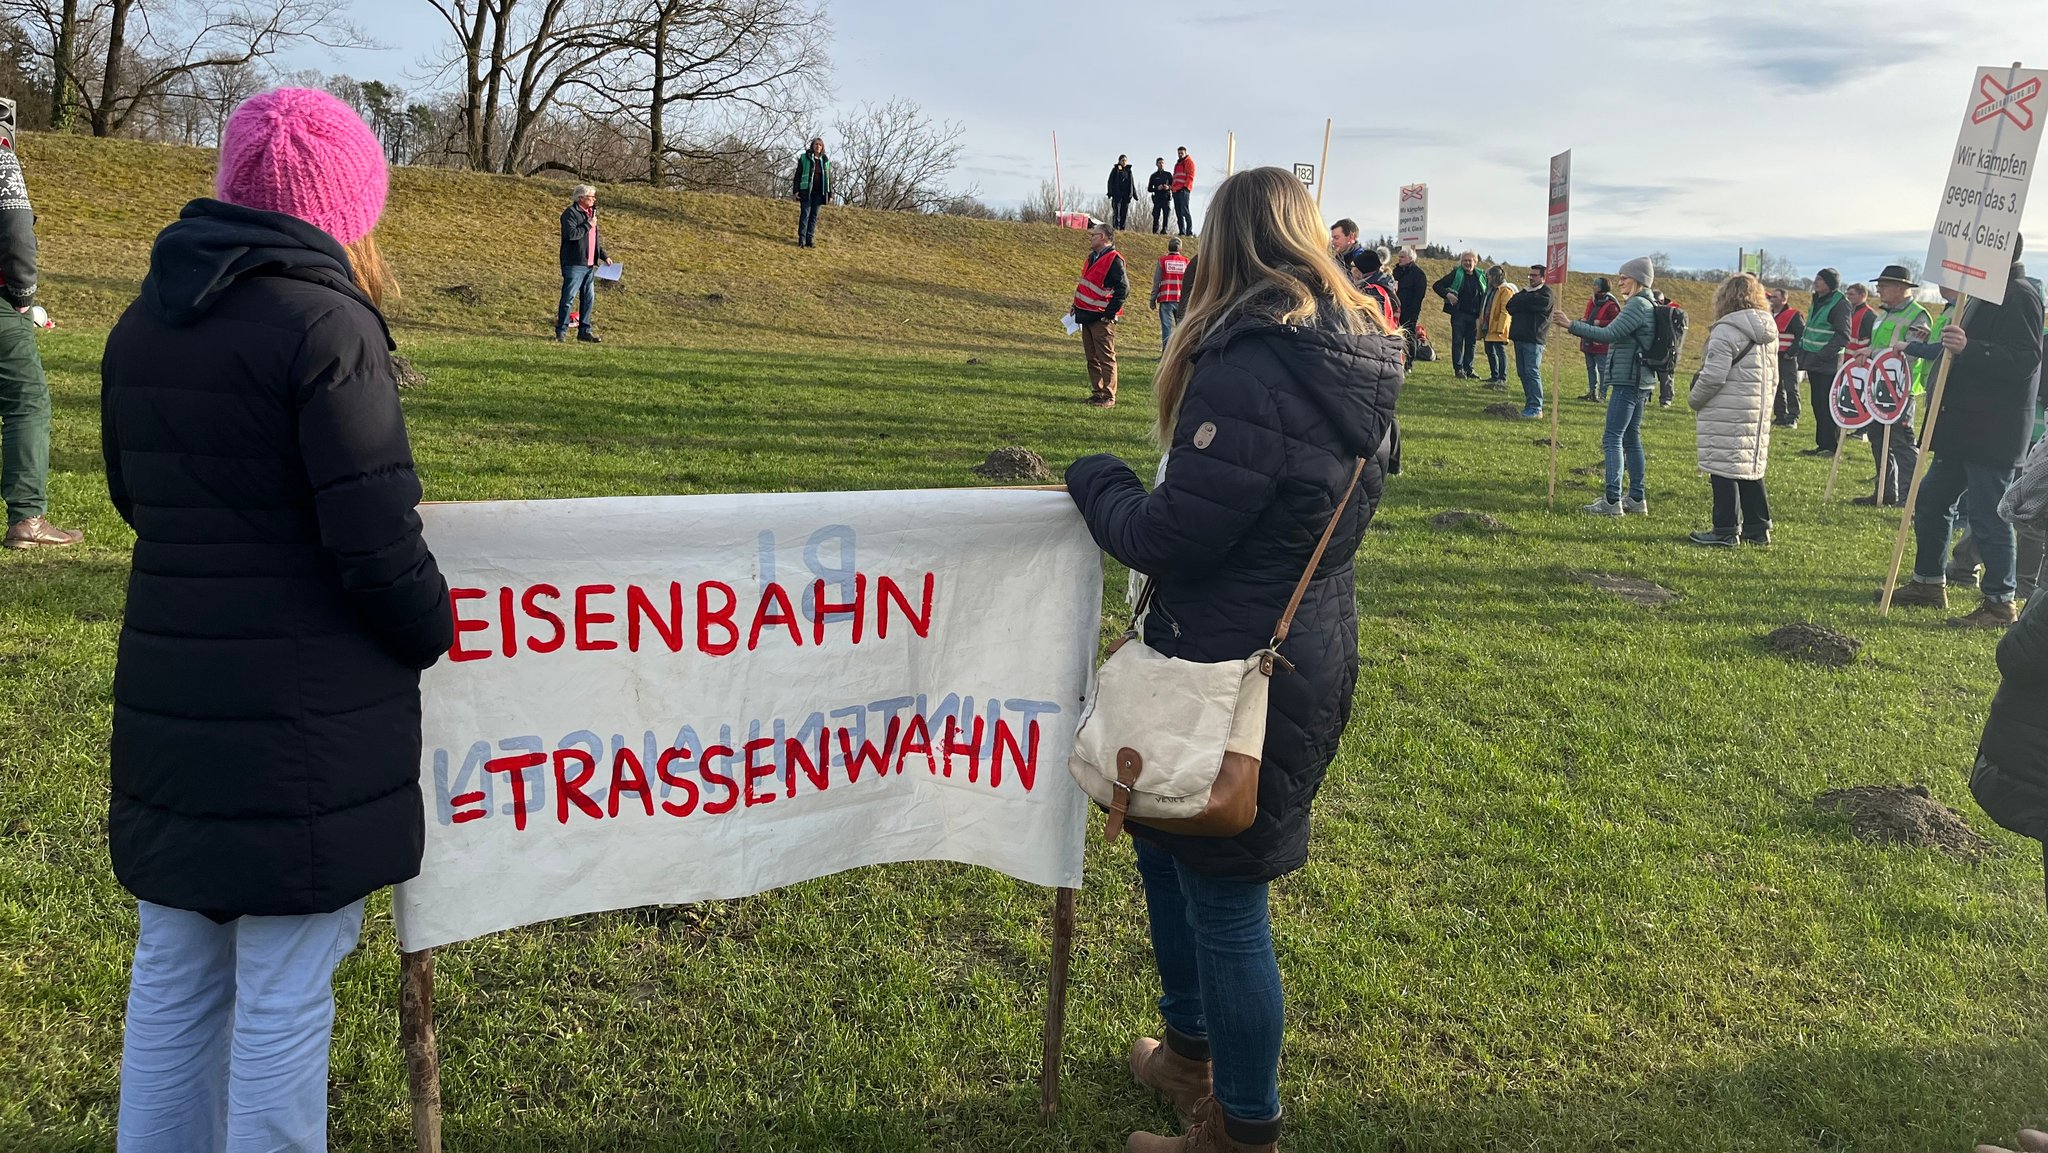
(473, 90)
(489, 140)
(62, 67)
(657, 137)
(103, 119)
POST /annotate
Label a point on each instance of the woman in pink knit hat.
(266, 749)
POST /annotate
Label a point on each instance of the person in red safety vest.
(1791, 326)
(1098, 302)
(1184, 187)
(1862, 318)
(1168, 290)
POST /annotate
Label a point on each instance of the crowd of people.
(248, 399)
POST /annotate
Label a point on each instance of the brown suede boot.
(1181, 1080)
(1206, 1135)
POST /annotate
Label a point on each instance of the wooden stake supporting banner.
(422, 1058)
(1323, 172)
(1891, 580)
(1556, 395)
(1056, 1005)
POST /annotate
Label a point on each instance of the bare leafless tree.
(686, 70)
(893, 157)
(513, 59)
(115, 59)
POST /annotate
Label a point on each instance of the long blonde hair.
(1738, 292)
(1261, 238)
(372, 275)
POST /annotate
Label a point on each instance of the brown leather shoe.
(1989, 615)
(1922, 594)
(1205, 1135)
(35, 532)
(1181, 1080)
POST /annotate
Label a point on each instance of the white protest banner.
(672, 699)
(1557, 251)
(1414, 217)
(1971, 250)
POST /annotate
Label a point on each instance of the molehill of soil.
(1817, 644)
(1013, 463)
(466, 294)
(408, 375)
(1630, 589)
(1503, 409)
(1903, 815)
(1459, 518)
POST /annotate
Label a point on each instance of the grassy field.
(1567, 890)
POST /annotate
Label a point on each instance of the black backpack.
(1662, 354)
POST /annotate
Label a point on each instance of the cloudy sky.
(1817, 128)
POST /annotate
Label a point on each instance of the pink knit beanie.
(304, 153)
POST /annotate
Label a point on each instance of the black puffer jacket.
(1987, 410)
(266, 750)
(2011, 776)
(1283, 413)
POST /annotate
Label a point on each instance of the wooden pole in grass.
(1828, 493)
(1891, 580)
(1884, 461)
(1323, 172)
(1056, 1005)
(422, 1058)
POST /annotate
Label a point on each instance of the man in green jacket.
(1629, 335)
(1900, 320)
(1820, 354)
(812, 188)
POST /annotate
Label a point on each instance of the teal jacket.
(1630, 336)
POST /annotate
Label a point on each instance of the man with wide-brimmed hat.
(1899, 320)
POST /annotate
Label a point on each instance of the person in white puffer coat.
(1732, 395)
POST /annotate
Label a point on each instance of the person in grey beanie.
(1629, 337)
(1820, 355)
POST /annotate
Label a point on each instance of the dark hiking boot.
(1989, 615)
(589, 338)
(35, 532)
(1917, 594)
(1757, 534)
(1714, 537)
(1184, 1081)
(1207, 1134)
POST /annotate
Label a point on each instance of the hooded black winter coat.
(266, 749)
(2010, 779)
(1987, 410)
(1282, 414)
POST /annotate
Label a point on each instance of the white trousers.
(228, 1030)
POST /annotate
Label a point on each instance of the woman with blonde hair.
(1277, 390)
(1733, 394)
(266, 748)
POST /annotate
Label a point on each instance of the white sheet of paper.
(610, 271)
(1073, 326)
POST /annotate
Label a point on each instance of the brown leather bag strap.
(1308, 574)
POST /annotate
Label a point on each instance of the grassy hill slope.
(700, 270)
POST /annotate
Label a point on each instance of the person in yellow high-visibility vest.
(1900, 320)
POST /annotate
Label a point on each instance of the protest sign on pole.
(659, 700)
(1974, 231)
(1557, 255)
(1306, 173)
(1413, 221)
(1986, 190)
(668, 699)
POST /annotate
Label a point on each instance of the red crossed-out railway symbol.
(2008, 102)
(1415, 192)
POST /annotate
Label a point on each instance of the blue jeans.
(807, 221)
(1169, 315)
(1623, 440)
(1496, 360)
(1219, 981)
(1529, 367)
(1934, 522)
(1464, 334)
(1596, 374)
(228, 1030)
(579, 287)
